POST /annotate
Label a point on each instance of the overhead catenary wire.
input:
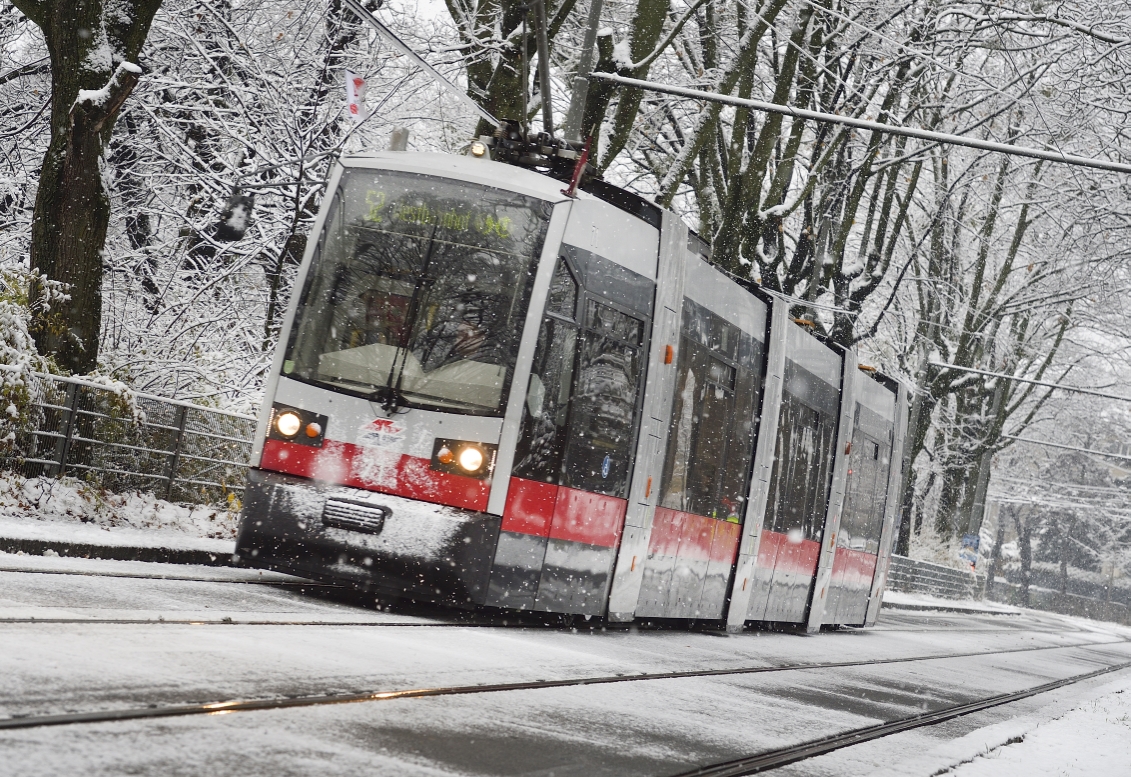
(1045, 383)
(1078, 449)
(401, 46)
(867, 124)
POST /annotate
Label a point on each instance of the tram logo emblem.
(381, 432)
(605, 466)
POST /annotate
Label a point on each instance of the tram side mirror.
(535, 396)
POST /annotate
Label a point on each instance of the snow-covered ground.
(68, 503)
(1092, 739)
(82, 635)
(907, 600)
(1085, 732)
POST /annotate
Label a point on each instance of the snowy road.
(93, 636)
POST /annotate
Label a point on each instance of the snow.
(622, 55)
(1094, 738)
(901, 599)
(118, 537)
(1084, 731)
(69, 510)
(98, 97)
(63, 662)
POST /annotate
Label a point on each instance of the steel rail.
(773, 759)
(867, 124)
(140, 576)
(250, 705)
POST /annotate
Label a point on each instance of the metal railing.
(179, 451)
(914, 576)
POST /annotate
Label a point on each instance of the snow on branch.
(110, 97)
(623, 57)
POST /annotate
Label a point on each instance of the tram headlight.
(294, 425)
(288, 423)
(471, 459)
(463, 457)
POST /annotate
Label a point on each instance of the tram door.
(790, 545)
(568, 492)
(706, 475)
(862, 519)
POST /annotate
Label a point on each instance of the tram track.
(774, 759)
(318, 700)
(503, 622)
(298, 583)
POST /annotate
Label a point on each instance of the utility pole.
(544, 68)
(576, 114)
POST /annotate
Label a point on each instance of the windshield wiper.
(390, 397)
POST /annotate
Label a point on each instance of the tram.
(490, 391)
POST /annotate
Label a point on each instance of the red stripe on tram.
(561, 513)
(374, 469)
(691, 536)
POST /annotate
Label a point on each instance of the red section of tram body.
(345, 464)
(561, 513)
(853, 569)
(688, 535)
(776, 552)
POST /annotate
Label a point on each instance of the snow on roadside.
(1054, 733)
(1094, 738)
(899, 598)
(70, 501)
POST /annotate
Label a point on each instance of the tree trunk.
(90, 49)
(1025, 545)
(995, 554)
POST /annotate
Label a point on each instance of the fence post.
(175, 458)
(63, 447)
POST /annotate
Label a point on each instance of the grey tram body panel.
(652, 435)
(718, 363)
(893, 502)
(831, 534)
(749, 580)
(860, 536)
(612, 258)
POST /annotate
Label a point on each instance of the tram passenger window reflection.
(711, 440)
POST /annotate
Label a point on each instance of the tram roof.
(503, 176)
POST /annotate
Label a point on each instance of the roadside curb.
(37, 547)
(944, 608)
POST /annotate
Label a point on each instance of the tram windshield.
(420, 292)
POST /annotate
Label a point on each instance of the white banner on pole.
(355, 85)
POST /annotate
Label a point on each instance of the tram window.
(603, 416)
(563, 292)
(419, 292)
(803, 458)
(542, 439)
(711, 441)
(579, 423)
(612, 323)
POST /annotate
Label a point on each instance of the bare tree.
(94, 47)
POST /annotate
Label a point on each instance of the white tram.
(490, 393)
